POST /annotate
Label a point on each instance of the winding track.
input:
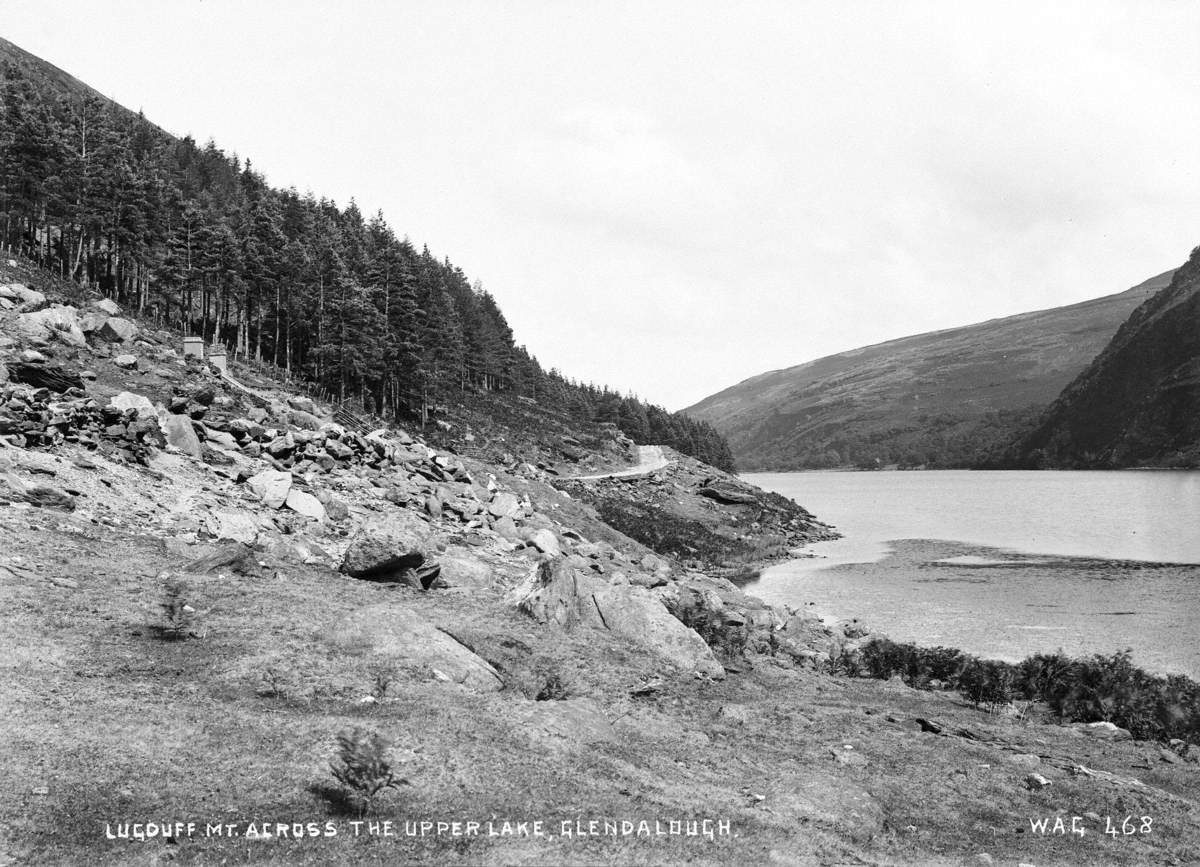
(650, 459)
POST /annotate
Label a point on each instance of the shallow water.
(1088, 588)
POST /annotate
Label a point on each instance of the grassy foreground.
(107, 724)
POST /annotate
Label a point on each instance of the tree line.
(196, 239)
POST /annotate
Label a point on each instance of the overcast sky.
(671, 197)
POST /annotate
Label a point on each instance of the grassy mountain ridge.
(1138, 402)
(944, 398)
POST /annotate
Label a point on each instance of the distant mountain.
(946, 398)
(1138, 402)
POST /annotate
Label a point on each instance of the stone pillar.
(217, 359)
(193, 346)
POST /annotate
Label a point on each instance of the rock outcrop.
(393, 633)
(571, 598)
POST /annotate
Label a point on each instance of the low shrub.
(363, 767)
(1098, 688)
(179, 618)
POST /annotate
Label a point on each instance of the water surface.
(1023, 561)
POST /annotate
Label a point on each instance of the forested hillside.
(195, 238)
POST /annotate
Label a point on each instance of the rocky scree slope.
(302, 481)
(946, 398)
(1138, 402)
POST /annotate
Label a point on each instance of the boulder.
(304, 503)
(42, 375)
(571, 598)
(560, 595)
(92, 321)
(506, 528)
(638, 615)
(546, 542)
(222, 439)
(303, 404)
(304, 420)
(23, 295)
(180, 434)
(57, 321)
(128, 362)
(1103, 731)
(127, 400)
(387, 549)
(107, 305)
(504, 505)
(336, 509)
(117, 330)
(728, 492)
(462, 569)
(239, 525)
(407, 638)
(271, 486)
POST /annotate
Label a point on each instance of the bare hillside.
(944, 398)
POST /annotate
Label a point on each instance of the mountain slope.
(1138, 402)
(48, 78)
(98, 194)
(943, 398)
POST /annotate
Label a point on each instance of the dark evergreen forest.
(195, 239)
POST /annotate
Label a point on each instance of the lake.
(1008, 563)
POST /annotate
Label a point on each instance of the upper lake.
(1100, 587)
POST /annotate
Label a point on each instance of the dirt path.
(650, 459)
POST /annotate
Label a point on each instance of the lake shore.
(1002, 604)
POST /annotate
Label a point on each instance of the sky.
(670, 197)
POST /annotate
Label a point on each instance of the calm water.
(1007, 612)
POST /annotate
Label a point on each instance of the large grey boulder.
(180, 434)
(388, 548)
(271, 486)
(92, 321)
(408, 638)
(53, 322)
(237, 524)
(571, 598)
(304, 503)
(25, 297)
(504, 505)
(461, 568)
(127, 400)
(117, 330)
(304, 420)
(107, 305)
(546, 542)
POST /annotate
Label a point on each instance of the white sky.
(671, 197)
